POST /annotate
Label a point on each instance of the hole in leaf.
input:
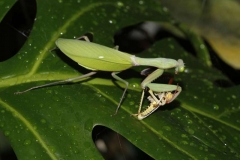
(16, 27)
(6, 151)
(223, 83)
(138, 37)
(114, 146)
(133, 39)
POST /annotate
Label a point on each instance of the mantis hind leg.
(82, 37)
(114, 74)
(116, 47)
(58, 82)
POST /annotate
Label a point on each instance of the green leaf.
(56, 122)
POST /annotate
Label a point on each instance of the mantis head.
(180, 67)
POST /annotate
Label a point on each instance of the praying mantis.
(96, 57)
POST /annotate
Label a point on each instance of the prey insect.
(96, 57)
(160, 93)
(157, 100)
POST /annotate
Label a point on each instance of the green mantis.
(96, 57)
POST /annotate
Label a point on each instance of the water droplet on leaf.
(7, 133)
(215, 107)
(27, 142)
(43, 121)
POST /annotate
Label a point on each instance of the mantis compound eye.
(180, 67)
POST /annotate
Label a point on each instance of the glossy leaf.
(56, 122)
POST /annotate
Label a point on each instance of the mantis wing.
(94, 56)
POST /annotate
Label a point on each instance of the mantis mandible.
(96, 57)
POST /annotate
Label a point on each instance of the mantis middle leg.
(114, 74)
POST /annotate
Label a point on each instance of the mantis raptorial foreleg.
(157, 100)
(163, 91)
(148, 80)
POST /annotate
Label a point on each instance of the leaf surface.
(56, 122)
